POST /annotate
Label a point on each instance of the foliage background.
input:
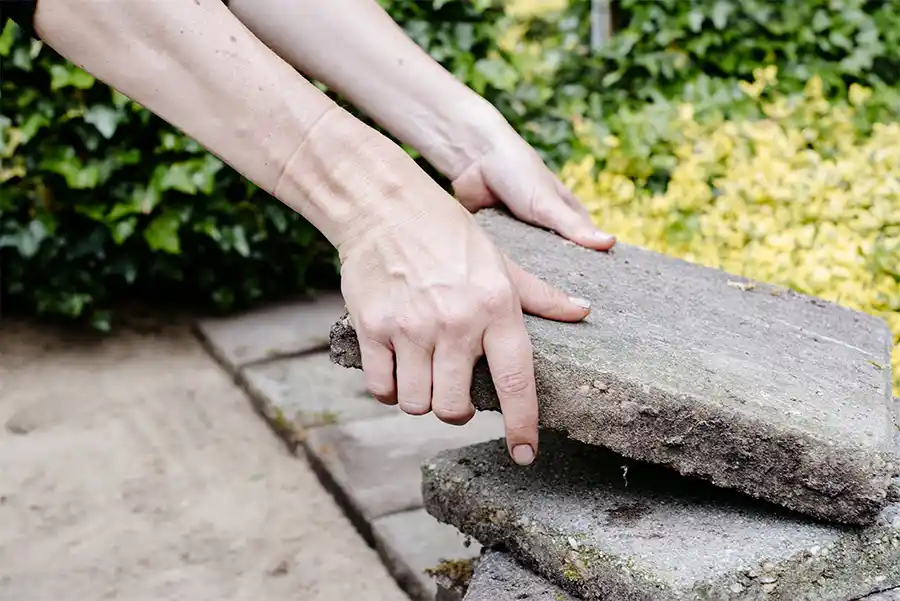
(100, 201)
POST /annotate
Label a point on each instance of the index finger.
(508, 351)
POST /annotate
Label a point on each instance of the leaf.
(102, 321)
(240, 241)
(123, 229)
(695, 20)
(28, 240)
(720, 13)
(497, 73)
(162, 233)
(104, 118)
(64, 75)
(7, 37)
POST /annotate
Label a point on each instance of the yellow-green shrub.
(802, 195)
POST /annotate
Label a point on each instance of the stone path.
(369, 455)
(133, 468)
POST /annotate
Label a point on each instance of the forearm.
(197, 67)
(355, 48)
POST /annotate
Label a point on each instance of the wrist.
(456, 132)
(346, 179)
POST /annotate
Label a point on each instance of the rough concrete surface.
(134, 469)
(376, 463)
(499, 577)
(288, 328)
(779, 395)
(413, 542)
(603, 527)
(309, 391)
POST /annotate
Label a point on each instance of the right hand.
(428, 294)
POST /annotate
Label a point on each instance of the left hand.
(511, 172)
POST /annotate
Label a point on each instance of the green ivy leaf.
(162, 233)
(28, 239)
(123, 229)
(498, 73)
(104, 118)
(7, 37)
(720, 13)
(63, 75)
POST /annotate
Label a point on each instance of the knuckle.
(455, 320)
(520, 428)
(498, 299)
(543, 212)
(512, 382)
(375, 326)
(410, 327)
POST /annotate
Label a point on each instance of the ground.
(133, 468)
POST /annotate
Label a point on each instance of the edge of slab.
(852, 562)
(840, 483)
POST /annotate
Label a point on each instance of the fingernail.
(523, 454)
(603, 237)
(581, 302)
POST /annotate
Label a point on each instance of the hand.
(428, 294)
(510, 172)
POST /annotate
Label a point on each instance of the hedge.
(101, 202)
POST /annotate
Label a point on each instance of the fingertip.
(523, 454)
(416, 409)
(582, 306)
(596, 240)
(453, 416)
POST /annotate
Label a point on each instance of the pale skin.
(427, 290)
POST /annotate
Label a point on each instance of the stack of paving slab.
(702, 437)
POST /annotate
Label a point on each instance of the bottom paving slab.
(603, 527)
(310, 391)
(286, 328)
(499, 577)
(376, 463)
(413, 542)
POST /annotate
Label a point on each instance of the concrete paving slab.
(778, 395)
(376, 463)
(288, 328)
(413, 542)
(499, 577)
(602, 527)
(310, 391)
(133, 468)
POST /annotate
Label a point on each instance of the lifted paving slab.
(413, 542)
(603, 527)
(376, 463)
(754, 388)
(133, 468)
(287, 328)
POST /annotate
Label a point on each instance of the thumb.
(541, 299)
(576, 226)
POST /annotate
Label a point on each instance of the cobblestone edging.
(367, 454)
